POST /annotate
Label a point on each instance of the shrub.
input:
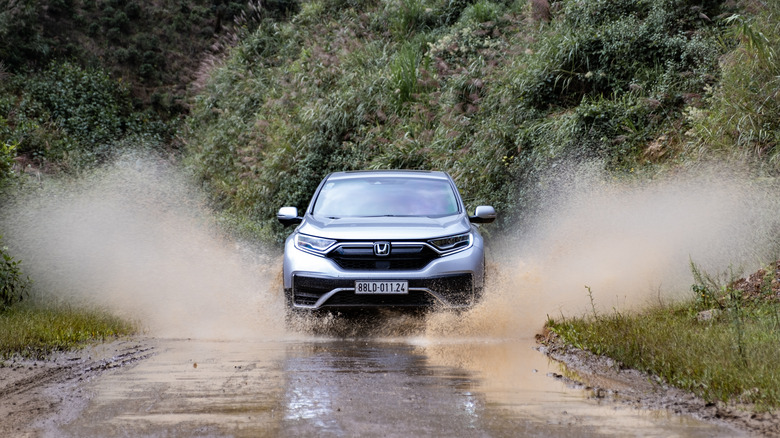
(405, 71)
(7, 154)
(605, 47)
(20, 38)
(87, 105)
(72, 117)
(742, 117)
(481, 11)
(407, 17)
(13, 284)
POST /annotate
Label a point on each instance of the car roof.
(403, 173)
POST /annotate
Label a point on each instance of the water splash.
(623, 244)
(134, 238)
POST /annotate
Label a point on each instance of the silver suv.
(399, 238)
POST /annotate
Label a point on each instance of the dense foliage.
(741, 113)
(71, 117)
(498, 93)
(479, 89)
(82, 79)
(13, 283)
(156, 46)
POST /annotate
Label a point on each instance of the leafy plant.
(406, 74)
(13, 283)
(7, 155)
(73, 118)
(409, 16)
(481, 11)
(742, 118)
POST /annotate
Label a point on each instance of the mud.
(329, 387)
(371, 387)
(37, 393)
(607, 380)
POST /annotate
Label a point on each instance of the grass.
(723, 345)
(37, 330)
(475, 88)
(741, 114)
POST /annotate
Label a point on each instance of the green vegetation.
(723, 344)
(73, 118)
(478, 89)
(741, 113)
(7, 155)
(274, 96)
(155, 46)
(13, 283)
(37, 330)
(83, 80)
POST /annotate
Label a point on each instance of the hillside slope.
(496, 93)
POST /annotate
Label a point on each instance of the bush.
(13, 284)
(405, 71)
(483, 93)
(481, 11)
(742, 117)
(68, 117)
(7, 155)
(622, 44)
(86, 104)
(407, 17)
(21, 41)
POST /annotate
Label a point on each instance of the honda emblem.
(382, 248)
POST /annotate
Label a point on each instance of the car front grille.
(402, 257)
(456, 289)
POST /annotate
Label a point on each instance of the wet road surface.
(320, 387)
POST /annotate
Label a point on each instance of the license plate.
(381, 287)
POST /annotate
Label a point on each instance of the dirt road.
(321, 386)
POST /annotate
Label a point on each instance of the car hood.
(384, 228)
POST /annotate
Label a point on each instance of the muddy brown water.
(325, 386)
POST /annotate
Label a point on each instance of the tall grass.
(743, 116)
(37, 330)
(475, 88)
(722, 344)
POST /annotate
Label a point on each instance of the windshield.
(382, 196)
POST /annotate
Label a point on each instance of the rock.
(707, 315)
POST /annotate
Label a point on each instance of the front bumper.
(317, 292)
(312, 282)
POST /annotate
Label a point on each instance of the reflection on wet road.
(357, 387)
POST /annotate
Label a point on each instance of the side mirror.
(288, 216)
(484, 214)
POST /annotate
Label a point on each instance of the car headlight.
(452, 243)
(317, 245)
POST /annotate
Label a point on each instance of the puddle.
(357, 387)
